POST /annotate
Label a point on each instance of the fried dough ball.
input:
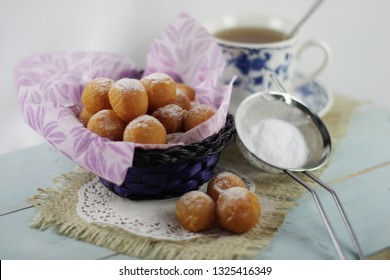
(238, 210)
(221, 182)
(145, 130)
(84, 116)
(107, 124)
(171, 116)
(195, 211)
(128, 99)
(197, 115)
(187, 90)
(161, 90)
(95, 95)
(183, 101)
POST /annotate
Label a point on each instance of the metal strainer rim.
(294, 103)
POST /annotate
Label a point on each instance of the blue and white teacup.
(254, 46)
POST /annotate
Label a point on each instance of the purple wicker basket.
(171, 172)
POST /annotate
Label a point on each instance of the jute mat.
(57, 208)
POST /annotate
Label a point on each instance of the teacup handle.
(307, 77)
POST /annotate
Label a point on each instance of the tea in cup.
(255, 46)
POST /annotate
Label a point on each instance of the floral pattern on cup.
(254, 46)
(252, 65)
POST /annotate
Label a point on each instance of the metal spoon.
(307, 15)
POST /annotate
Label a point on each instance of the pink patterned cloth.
(50, 87)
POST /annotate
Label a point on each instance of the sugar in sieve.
(299, 134)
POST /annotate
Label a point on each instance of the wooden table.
(359, 171)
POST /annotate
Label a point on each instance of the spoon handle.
(303, 19)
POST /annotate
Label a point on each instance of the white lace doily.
(148, 218)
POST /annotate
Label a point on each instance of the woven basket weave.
(171, 172)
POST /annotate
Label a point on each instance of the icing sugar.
(278, 143)
(195, 199)
(230, 198)
(158, 76)
(102, 85)
(172, 110)
(128, 84)
(224, 180)
(143, 122)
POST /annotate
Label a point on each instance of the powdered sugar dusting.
(231, 197)
(222, 184)
(143, 122)
(128, 84)
(109, 125)
(195, 199)
(170, 110)
(226, 180)
(101, 85)
(236, 193)
(159, 76)
(278, 143)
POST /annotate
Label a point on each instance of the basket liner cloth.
(50, 87)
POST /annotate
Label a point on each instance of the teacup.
(256, 46)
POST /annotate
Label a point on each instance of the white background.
(357, 32)
(282, 269)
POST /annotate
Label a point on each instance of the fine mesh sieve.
(260, 108)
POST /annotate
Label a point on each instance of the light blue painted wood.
(24, 171)
(366, 197)
(367, 144)
(19, 241)
(304, 236)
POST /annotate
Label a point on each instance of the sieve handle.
(278, 83)
(341, 210)
(322, 212)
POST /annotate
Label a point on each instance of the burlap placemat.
(57, 208)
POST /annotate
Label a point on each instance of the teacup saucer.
(315, 96)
